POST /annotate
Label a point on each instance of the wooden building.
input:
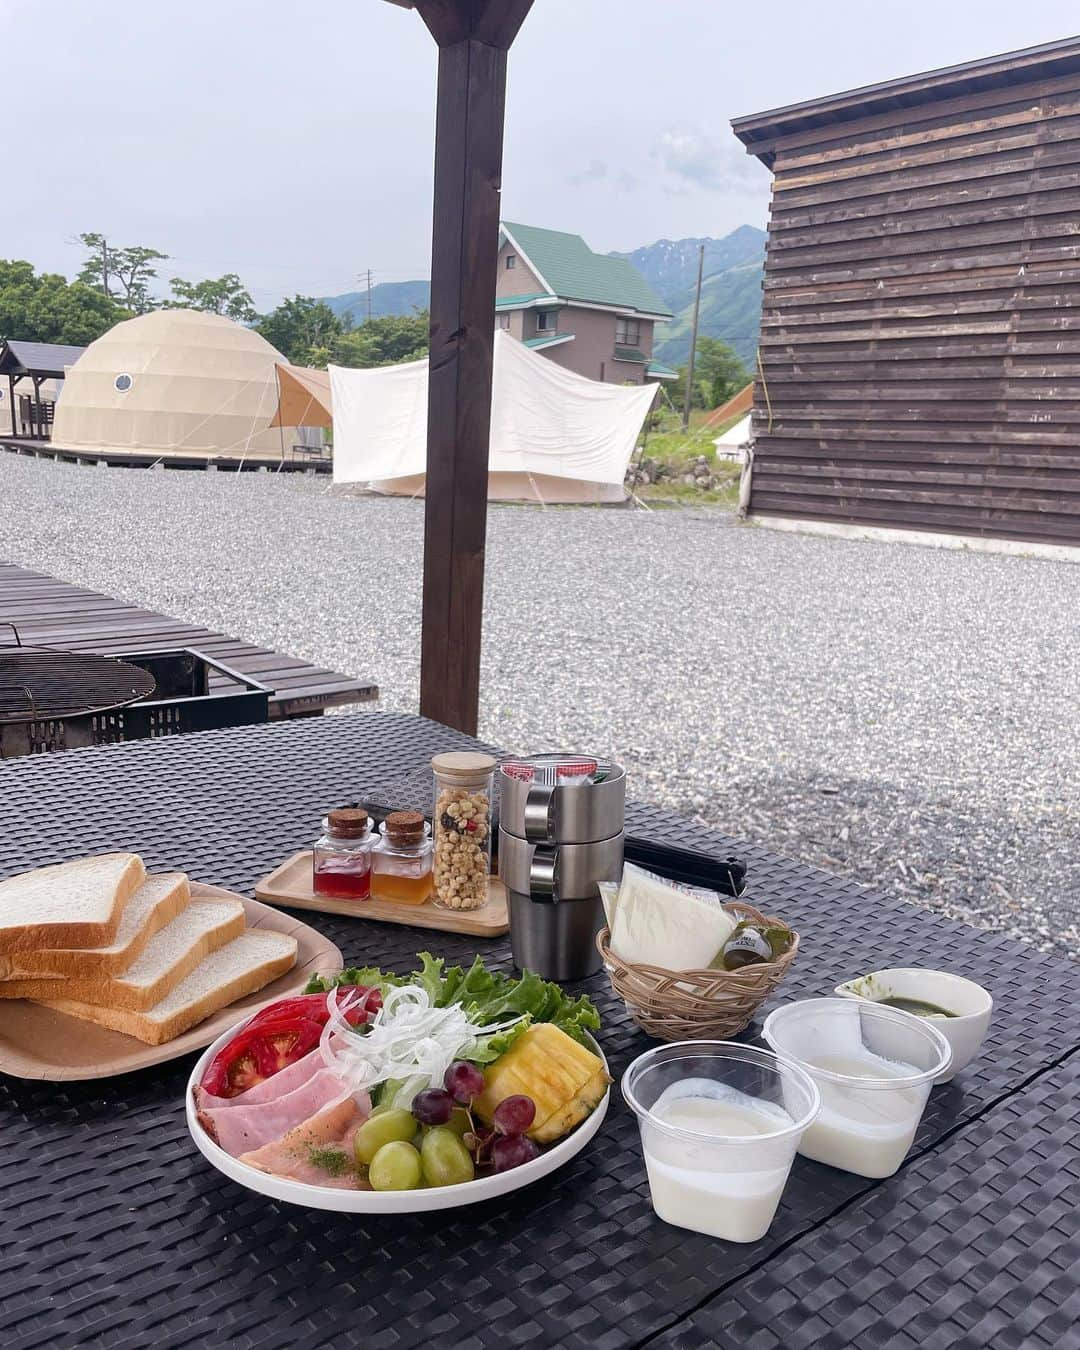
(920, 341)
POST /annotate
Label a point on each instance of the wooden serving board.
(290, 885)
(37, 1042)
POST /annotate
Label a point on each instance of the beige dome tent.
(177, 382)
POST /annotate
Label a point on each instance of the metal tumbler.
(560, 833)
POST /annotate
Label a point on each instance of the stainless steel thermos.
(560, 833)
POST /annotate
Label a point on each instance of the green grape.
(445, 1158)
(459, 1122)
(396, 1167)
(393, 1125)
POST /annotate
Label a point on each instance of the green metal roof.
(547, 339)
(513, 301)
(661, 372)
(630, 354)
(567, 265)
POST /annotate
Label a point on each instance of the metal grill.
(40, 682)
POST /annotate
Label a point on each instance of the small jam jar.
(341, 859)
(401, 861)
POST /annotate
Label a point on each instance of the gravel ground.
(905, 715)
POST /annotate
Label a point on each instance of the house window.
(545, 322)
(511, 261)
(504, 320)
(627, 332)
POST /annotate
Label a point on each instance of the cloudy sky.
(293, 144)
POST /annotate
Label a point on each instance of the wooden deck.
(52, 613)
(294, 461)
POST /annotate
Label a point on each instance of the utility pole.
(369, 295)
(693, 342)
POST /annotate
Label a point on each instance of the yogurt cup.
(970, 1002)
(719, 1125)
(874, 1068)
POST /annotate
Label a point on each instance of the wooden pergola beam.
(473, 37)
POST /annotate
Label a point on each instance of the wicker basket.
(689, 1005)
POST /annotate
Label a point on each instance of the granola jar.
(462, 827)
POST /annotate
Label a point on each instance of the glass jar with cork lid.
(341, 858)
(462, 827)
(402, 859)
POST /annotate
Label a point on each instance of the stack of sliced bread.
(101, 940)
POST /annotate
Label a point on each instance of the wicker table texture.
(115, 1232)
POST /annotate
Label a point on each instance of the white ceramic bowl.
(383, 1202)
(969, 1001)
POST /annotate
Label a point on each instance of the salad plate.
(232, 1048)
(385, 1202)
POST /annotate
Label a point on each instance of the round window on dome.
(123, 383)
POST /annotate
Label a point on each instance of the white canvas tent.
(732, 444)
(555, 436)
(174, 381)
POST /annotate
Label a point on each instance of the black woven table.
(116, 1232)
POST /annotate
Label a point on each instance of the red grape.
(514, 1115)
(511, 1151)
(463, 1081)
(433, 1106)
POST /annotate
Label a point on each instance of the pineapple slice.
(564, 1079)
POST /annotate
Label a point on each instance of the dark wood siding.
(920, 339)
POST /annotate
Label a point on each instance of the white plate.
(383, 1202)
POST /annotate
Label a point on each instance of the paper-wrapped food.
(651, 922)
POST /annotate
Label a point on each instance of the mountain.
(670, 265)
(388, 297)
(730, 292)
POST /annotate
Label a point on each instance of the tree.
(47, 308)
(219, 295)
(300, 327)
(385, 341)
(122, 274)
(719, 371)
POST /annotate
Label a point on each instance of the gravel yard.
(906, 715)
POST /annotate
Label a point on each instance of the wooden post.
(693, 343)
(473, 38)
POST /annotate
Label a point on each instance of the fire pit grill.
(58, 700)
(39, 683)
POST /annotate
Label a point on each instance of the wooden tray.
(290, 884)
(37, 1042)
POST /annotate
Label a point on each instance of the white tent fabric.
(178, 381)
(555, 435)
(732, 444)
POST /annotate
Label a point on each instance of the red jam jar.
(341, 858)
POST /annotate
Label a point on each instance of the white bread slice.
(247, 963)
(203, 927)
(157, 902)
(74, 904)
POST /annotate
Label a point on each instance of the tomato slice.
(314, 1006)
(278, 1036)
(259, 1052)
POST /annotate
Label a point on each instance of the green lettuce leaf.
(489, 1048)
(488, 996)
(371, 976)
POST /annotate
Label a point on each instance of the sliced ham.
(300, 1154)
(294, 1076)
(243, 1129)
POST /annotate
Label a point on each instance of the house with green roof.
(583, 310)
